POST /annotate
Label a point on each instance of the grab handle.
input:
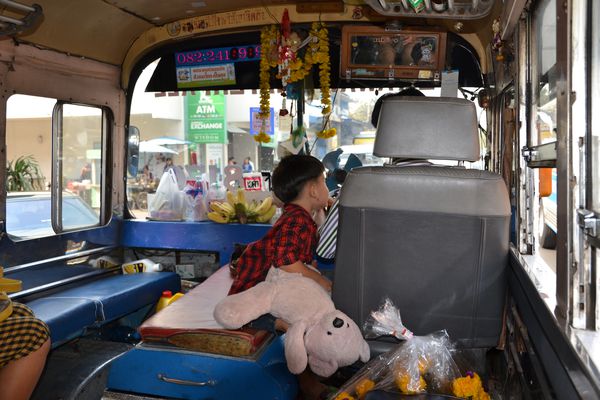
(176, 381)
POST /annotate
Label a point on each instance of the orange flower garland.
(469, 387)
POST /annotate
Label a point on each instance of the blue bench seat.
(70, 312)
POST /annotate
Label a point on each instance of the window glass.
(545, 29)
(29, 166)
(198, 133)
(81, 166)
(545, 219)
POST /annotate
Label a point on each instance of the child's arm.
(300, 268)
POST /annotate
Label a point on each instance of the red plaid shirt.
(292, 238)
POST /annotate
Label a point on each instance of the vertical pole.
(564, 248)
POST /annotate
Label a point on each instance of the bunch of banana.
(236, 209)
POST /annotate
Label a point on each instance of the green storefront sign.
(205, 118)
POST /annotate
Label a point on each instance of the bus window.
(29, 155)
(200, 132)
(544, 20)
(79, 152)
(545, 33)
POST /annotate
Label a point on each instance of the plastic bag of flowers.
(420, 364)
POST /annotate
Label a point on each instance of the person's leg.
(24, 345)
(18, 378)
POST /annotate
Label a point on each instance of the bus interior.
(106, 102)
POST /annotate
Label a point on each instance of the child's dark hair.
(292, 173)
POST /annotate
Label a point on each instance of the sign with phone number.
(221, 55)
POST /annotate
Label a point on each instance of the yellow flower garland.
(469, 387)
(317, 53)
(321, 57)
(269, 36)
(262, 137)
(326, 133)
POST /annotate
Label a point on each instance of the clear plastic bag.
(421, 364)
(196, 193)
(418, 364)
(386, 322)
(167, 203)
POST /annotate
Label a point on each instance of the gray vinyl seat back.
(433, 239)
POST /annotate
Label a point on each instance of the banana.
(241, 197)
(231, 199)
(215, 206)
(222, 208)
(217, 217)
(251, 207)
(266, 217)
(264, 206)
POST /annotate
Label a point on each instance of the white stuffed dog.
(319, 335)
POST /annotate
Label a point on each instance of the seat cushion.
(67, 318)
(70, 312)
(189, 322)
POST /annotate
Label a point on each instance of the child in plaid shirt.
(298, 181)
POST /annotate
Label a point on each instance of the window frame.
(57, 166)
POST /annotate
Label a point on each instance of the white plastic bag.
(167, 203)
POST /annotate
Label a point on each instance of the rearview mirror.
(133, 151)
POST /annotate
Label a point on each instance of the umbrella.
(167, 140)
(148, 147)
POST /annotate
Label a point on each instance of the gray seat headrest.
(434, 128)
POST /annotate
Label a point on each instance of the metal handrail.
(70, 256)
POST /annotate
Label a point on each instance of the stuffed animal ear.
(295, 351)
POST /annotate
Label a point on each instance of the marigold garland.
(295, 69)
(269, 36)
(363, 387)
(326, 133)
(319, 53)
(262, 137)
(469, 387)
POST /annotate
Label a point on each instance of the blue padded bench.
(70, 312)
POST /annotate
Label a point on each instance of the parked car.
(28, 214)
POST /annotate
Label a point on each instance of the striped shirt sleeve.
(328, 234)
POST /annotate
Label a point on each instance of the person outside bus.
(247, 165)
(328, 230)
(157, 166)
(86, 172)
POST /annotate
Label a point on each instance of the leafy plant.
(24, 174)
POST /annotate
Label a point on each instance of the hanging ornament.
(497, 43)
(283, 112)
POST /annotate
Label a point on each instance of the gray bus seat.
(434, 239)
